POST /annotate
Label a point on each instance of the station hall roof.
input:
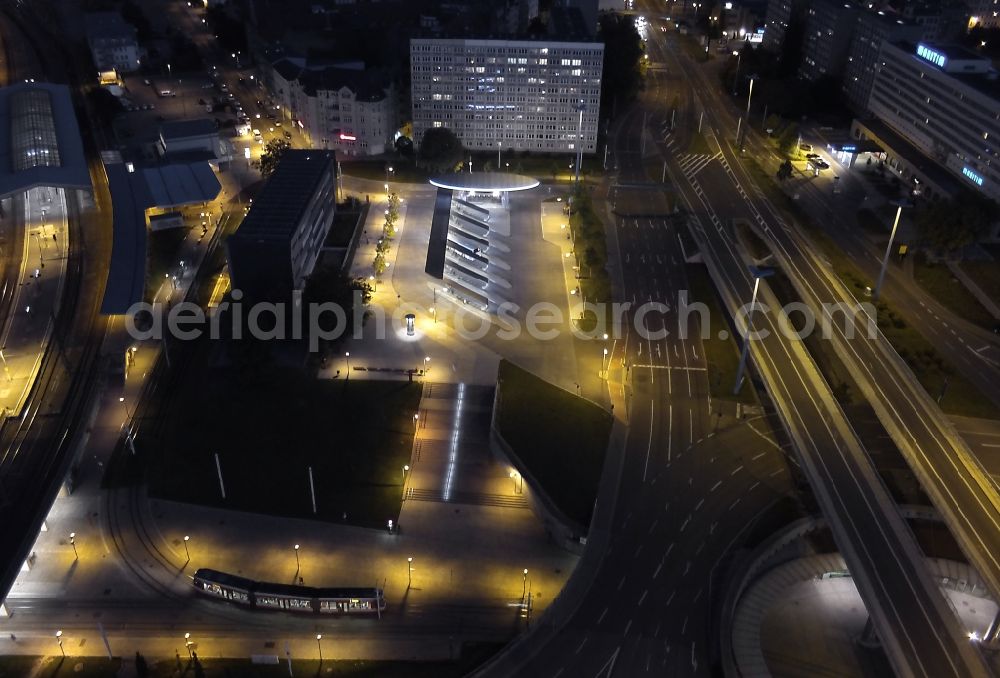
(502, 182)
(39, 139)
(135, 189)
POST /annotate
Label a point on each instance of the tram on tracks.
(288, 597)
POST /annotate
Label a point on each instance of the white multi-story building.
(347, 109)
(512, 94)
(872, 29)
(112, 41)
(945, 102)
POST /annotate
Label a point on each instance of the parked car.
(812, 156)
(805, 147)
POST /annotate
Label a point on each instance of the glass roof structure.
(34, 142)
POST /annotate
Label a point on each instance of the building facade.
(780, 14)
(277, 245)
(945, 102)
(829, 27)
(112, 41)
(508, 94)
(350, 110)
(871, 30)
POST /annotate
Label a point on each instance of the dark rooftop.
(276, 211)
(179, 129)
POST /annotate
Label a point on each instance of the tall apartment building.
(871, 30)
(112, 41)
(985, 13)
(945, 102)
(829, 27)
(350, 110)
(511, 94)
(279, 241)
(780, 14)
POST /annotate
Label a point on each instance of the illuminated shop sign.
(972, 176)
(928, 54)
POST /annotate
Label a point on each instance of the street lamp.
(736, 78)
(374, 283)
(296, 557)
(757, 273)
(888, 248)
(319, 644)
(604, 361)
(72, 542)
(59, 640)
(186, 552)
(579, 140)
(427, 369)
(347, 355)
(406, 467)
(524, 583)
(434, 313)
(188, 643)
(409, 571)
(739, 123)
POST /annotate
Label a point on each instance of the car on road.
(812, 156)
(805, 147)
(288, 135)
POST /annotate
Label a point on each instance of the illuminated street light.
(736, 78)
(186, 552)
(319, 644)
(347, 356)
(888, 248)
(603, 362)
(296, 557)
(406, 467)
(59, 640)
(72, 542)
(188, 643)
(524, 583)
(740, 123)
(409, 571)
(758, 273)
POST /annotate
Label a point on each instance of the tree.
(785, 170)
(271, 156)
(622, 76)
(788, 139)
(948, 225)
(440, 150)
(141, 667)
(105, 104)
(379, 264)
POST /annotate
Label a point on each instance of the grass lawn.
(877, 223)
(403, 169)
(937, 280)
(722, 355)
(698, 144)
(268, 426)
(986, 274)
(561, 439)
(75, 667)
(343, 227)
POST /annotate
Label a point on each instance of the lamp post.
(59, 640)
(347, 356)
(72, 542)
(409, 571)
(296, 557)
(758, 273)
(187, 643)
(888, 248)
(186, 552)
(427, 360)
(319, 644)
(374, 282)
(524, 583)
(604, 360)
(579, 141)
(740, 123)
(386, 189)
(736, 78)
(406, 467)
(434, 313)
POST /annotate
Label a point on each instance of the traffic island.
(558, 442)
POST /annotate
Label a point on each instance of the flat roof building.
(829, 27)
(277, 245)
(945, 101)
(871, 30)
(523, 95)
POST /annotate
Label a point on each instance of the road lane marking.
(627, 627)
(580, 646)
(736, 470)
(601, 618)
(642, 597)
(699, 504)
(621, 583)
(757, 456)
(670, 598)
(656, 572)
(655, 522)
(716, 486)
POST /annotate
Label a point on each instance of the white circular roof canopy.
(485, 182)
